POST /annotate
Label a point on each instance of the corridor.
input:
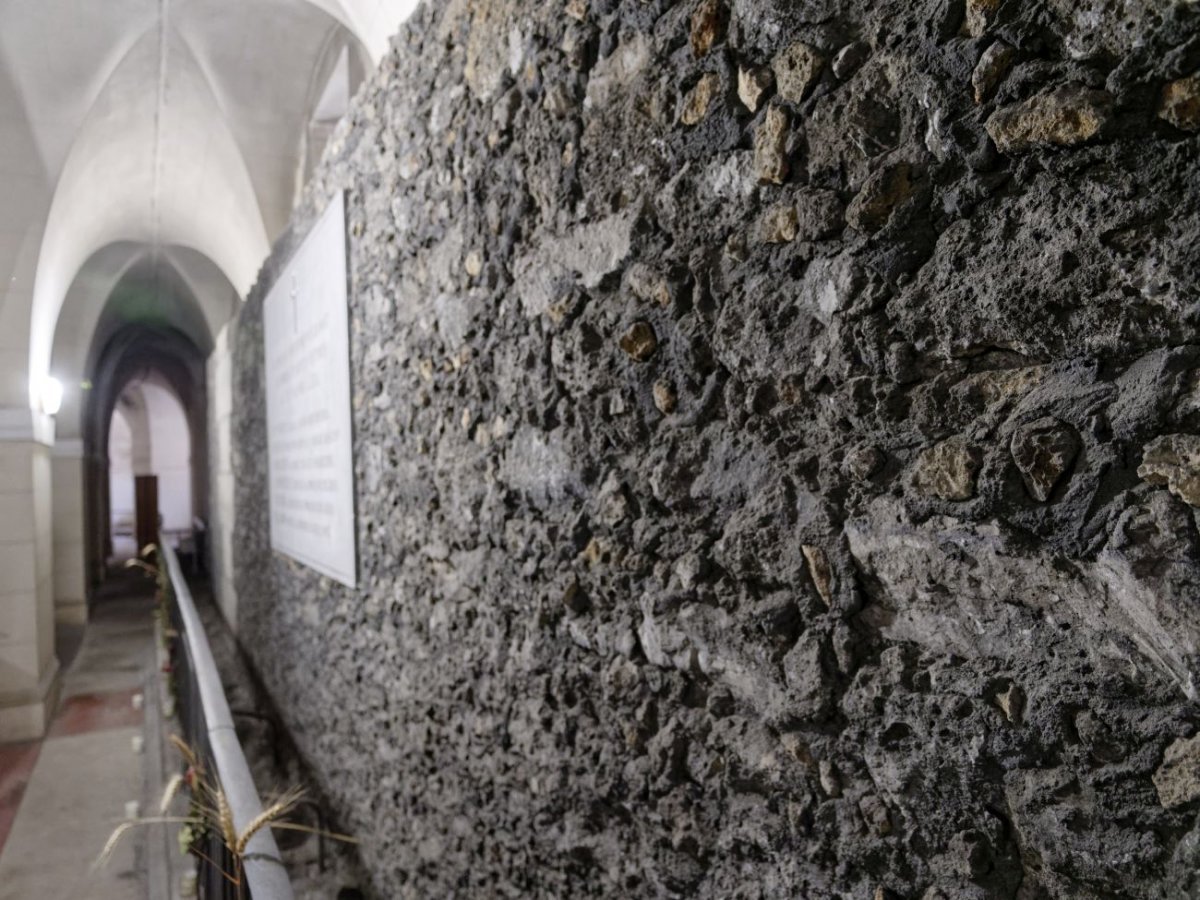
(600, 449)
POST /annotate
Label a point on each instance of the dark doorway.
(146, 504)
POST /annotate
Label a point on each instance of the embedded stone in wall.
(850, 58)
(665, 397)
(1043, 451)
(1064, 117)
(698, 99)
(753, 83)
(1179, 103)
(796, 70)
(640, 341)
(993, 65)
(613, 72)
(560, 100)
(1174, 460)
(1010, 698)
(648, 284)
(770, 147)
(979, 15)
(863, 462)
(1178, 778)
(885, 190)
(807, 672)
(779, 224)
(820, 571)
(819, 215)
(487, 58)
(947, 470)
(584, 255)
(708, 26)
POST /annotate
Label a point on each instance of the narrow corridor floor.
(61, 798)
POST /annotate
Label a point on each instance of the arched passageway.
(150, 478)
(144, 417)
(127, 299)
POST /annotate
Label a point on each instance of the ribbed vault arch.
(125, 283)
(185, 128)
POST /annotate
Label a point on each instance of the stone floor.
(61, 797)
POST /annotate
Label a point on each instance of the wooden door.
(145, 492)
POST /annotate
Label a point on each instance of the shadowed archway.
(138, 353)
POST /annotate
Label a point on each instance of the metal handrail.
(262, 866)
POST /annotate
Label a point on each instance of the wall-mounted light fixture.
(51, 396)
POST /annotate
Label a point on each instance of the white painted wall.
(70, 570)
(120, 468)
(171, 455)
(28, 666)
(150, 435)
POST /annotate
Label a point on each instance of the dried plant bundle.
(210, 811)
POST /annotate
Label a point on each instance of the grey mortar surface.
(748, 502)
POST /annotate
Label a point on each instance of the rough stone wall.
(776, 454)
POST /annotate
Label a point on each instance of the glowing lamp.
(51, 396)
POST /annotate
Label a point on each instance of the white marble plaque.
(309, 437)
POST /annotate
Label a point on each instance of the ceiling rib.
(159, 110)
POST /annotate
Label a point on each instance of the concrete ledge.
(28, 720)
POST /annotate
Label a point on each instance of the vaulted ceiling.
(168, 129)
